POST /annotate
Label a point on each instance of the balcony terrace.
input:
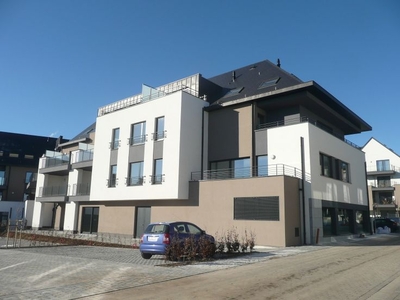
(305, 120)
(250, 172)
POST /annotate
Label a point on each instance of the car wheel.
(146, 255)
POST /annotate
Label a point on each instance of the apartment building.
(255, 149)
(383, 174)
(19, 158)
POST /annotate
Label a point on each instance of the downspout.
(372, 229)
(202, 145)
(303, 175)
(253, 139)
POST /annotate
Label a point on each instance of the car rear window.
(157, 228)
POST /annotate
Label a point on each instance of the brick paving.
(71, 272)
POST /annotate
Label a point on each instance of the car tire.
(146, 255)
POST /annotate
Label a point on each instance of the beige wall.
(215, 210)
(231, 133)
(112, 219)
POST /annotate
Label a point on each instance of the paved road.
(111, 273)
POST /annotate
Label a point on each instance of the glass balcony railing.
(81, 156)
(53, 191)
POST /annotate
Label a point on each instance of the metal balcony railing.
(236, 173)
(306, 120)
(159, 135)
(157, 179)
(137, 140)
(135, 180)
(374, 168)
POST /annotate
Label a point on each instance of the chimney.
(233, 76)
(278, 63)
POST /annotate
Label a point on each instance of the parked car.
(158, 236)
(382, 222)
(397, 220)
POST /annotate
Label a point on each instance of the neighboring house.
(383, 174)
(254, 149)
(19, 158)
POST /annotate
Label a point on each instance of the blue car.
(158, 236)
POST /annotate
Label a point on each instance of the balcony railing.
(305, 120)
(135, 180)
(49, 162)
(137, 140)
(159, 135)
(52, 191)
(157, 179)
(81, 155)
(80, 189)
(112, 182)
(188, 85)
(374, 168)
(236, 173)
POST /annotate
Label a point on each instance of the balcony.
(53, 194)
(55, 165)
(250, 172)
(372, 170)
(385, 203)
(82, 159)
(80, 192)
(305, 120)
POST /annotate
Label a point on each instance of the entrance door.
(90, 219)
(142, 220)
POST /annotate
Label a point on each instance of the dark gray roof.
(250, 79)
(85, 133)
(270, 83)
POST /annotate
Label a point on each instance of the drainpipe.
(202, 145)
(303, 175)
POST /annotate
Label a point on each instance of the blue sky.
(62, 60)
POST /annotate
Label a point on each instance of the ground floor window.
(3, 220)
(344, 219)
(90, 219)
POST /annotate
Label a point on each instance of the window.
(262, 165)
(383, 165)
(115, 139)
(112, 181)
(28, 177)
(90, 219)
(256, 208)
(236, 168)
(241, 168)
(269, 83)
(157, 174)
(135, 173)
(160, 133)
(326, 165)
(233, 92)
(2, 177)
(383, 181)
(334, 168)
(138, 133)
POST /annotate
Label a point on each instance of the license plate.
(152, 239)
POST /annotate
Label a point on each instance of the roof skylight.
(234, 92)
(269, 83)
